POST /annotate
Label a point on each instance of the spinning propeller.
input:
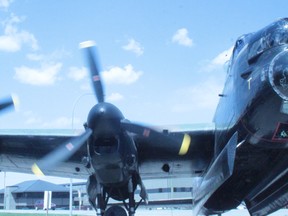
(8, 103)
(176, 145)
(94, 70)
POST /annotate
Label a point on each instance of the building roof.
(36, 186)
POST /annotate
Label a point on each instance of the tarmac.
(139, 212)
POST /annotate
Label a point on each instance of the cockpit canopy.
(273, 35)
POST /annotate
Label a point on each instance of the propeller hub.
(104, 119)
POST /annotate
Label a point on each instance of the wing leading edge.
(20, 149)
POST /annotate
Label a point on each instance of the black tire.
(116, 211)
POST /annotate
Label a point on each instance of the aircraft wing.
(157, 162)
(20, 149)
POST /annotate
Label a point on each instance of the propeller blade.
(174, 143)
(7, 103)
(94, 69)
(62, 153)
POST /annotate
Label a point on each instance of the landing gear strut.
(98, 198)
(131, 198)
(131, 207)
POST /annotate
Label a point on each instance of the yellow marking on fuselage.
(185, 145)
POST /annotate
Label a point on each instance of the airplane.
(241, 158)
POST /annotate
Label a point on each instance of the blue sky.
(163, 61)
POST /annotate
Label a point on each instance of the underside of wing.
(20, 149)
(157, 161)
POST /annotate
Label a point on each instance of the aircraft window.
(276, 36)
(240, 44)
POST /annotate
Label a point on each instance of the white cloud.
(35, 57)
(77, 74)
(134, 46)
(5, 3)
(203, 96)
(35, 120)
(46, 75)
(115, 97)
(223, 57)
(219, 61)
(181, 37)
(117, 75)
(61, 122)
(13, 38)
(32, 118)
(8, 44)
(51, 57)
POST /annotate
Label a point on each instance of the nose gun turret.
(278, 74)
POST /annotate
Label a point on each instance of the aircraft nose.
(278, 74)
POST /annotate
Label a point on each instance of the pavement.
(141, 212)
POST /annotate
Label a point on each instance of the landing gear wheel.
(115, 211)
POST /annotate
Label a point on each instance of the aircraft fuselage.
(254, 103)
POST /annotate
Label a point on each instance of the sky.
(163, 62)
